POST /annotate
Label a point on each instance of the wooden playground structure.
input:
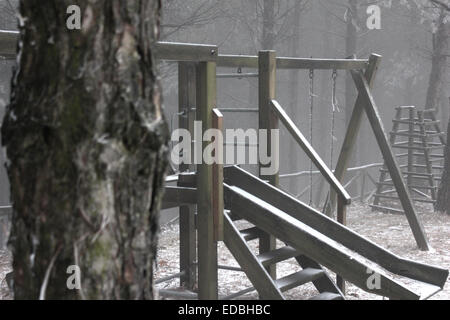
(211, 198)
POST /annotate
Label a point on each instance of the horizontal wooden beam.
(185, 52)
(310, 152)
(313, 244)
(178, 196)
(421, 272)
(324, 64)
(8, 44)
(5, 211)
(236, 61)
(246, 61)
(174, 51)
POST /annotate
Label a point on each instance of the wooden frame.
(375, 121)
(8, 43)
(267, 121)
(217, 191)
(188, 234)
(207, 246)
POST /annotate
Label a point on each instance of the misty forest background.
(413, 41)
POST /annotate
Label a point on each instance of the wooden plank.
(323, 284)
(309, 150)
(267, 121)
(299, 278)
(185, 52)
(237, 61)
(8, 44)
(342, 219)
(217, 191)
(426, 153)
(238, 177)
(207, 246)
(5, 211)
(314, 244)
(387, 209)
(254, 270)
(252, 233)
(178, 196)
(248, 61)
(321, 64)
(278, 255)
(187, 226)
(391, 162)
(352, 131)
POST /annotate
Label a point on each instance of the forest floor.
(387, 230)
(390, 231)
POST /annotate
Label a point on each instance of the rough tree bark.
(443, 198)
(86, 143)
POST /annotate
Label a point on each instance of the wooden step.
(251, 233)
(414, 174)
(396, 198)
(391, 184)
(299, 278)
(386, 209)
(278, 255)
(327, 296)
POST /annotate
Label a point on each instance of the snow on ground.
(390, 231)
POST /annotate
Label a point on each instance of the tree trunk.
(268, 36)
(350, 90)
(443, 198)
(86, 143)
(293, 99)
(441, 41)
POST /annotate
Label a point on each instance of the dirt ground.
(390, 231)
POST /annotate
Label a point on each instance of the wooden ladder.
(256, 266)
(422, 139)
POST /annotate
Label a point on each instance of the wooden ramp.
(314, 240)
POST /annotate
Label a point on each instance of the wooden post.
(384, 174)
(342, 219)
(207, 246)
(390, 159)
(426, 153)
(188, 250)
(409, 180)
(267, 121)
(352, 131)
(218, 205)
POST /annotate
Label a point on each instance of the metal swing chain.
(335, 108)
(311, 119)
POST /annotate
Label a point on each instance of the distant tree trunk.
(443, 198)
(87, 143)
(350, 90)
(293, 99)
(350, 49)
(441, 41)
(268, 36)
